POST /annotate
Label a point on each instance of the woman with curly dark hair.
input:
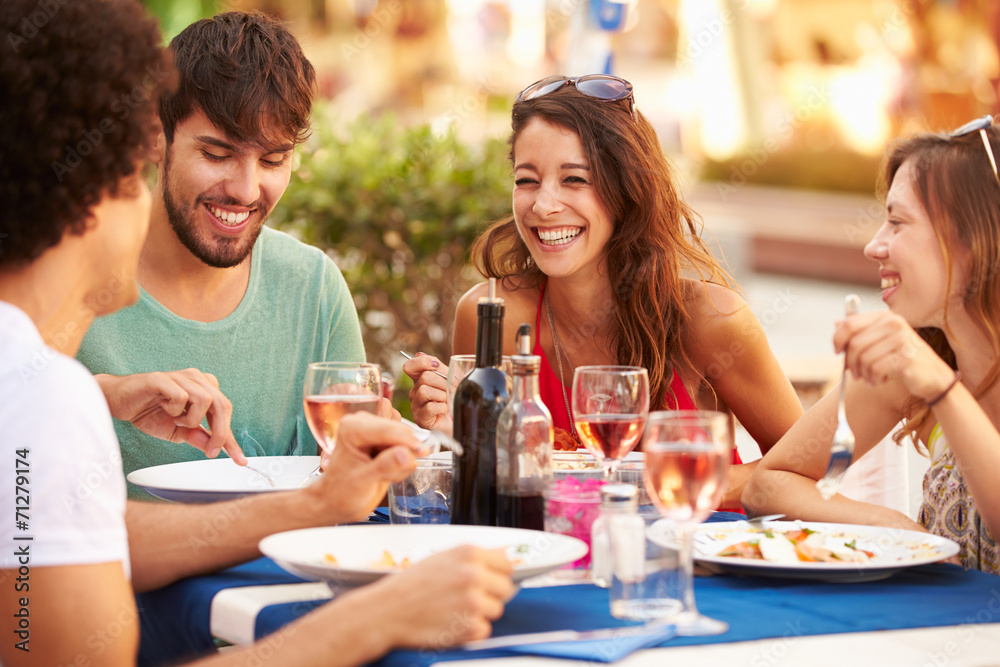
(604, 256)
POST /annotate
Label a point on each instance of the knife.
(666, 630)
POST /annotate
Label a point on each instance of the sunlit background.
(719, 78)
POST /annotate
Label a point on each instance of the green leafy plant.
(397, 209)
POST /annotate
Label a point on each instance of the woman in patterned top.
(931, 361)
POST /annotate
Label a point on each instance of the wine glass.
(610, 405)
(687, 456)
(461, 365)
(333, 389)
(388, 388)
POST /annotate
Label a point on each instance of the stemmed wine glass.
(687, 456)
(610, 405)
(333, 389)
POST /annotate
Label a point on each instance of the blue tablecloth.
(175, 620)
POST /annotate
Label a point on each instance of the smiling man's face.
(218, 193)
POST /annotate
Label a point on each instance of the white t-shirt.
(60, 467)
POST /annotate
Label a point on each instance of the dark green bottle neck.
(488, 333)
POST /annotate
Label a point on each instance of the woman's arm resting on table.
(785, 479)
(68, 615)
(171, 541)
(884, 349)
(728, 346)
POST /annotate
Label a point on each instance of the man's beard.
(221, 253)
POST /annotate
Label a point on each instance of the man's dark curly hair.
(247, 72)
(78, 84)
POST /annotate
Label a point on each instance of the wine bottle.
(479, 399)
(524, 444)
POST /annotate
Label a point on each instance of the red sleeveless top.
(550, 388)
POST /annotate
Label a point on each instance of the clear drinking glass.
(333, 389)
(687, 456)
(610, 405)
(424, 496)
(461, 365)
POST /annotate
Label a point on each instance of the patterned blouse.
(948, 509)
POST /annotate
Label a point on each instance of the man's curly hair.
(79, 82)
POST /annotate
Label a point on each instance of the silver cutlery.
(443, 440)
(433, 438)
(435, 372)
(758, 521)
(842, 449)
(262, 474)
(665, 630)
(310, 478)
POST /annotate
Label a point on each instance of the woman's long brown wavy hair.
(655, 243)
(956, 186)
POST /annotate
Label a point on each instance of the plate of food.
(347, 556)
(212, 480)
(809, 550)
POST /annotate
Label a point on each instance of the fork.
(758, 521)
(842, 449)
(255, 446)
(433, 438)
(262, 474)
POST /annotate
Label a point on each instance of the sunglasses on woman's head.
(979, 125)
(603, 87)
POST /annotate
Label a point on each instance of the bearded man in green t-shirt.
(230, 312)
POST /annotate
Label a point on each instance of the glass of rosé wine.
(333, 389)
(610, 405)
(687, 457)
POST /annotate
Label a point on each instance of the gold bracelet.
(958, 376)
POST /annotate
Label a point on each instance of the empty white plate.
(212, 480)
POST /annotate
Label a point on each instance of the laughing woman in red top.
(604, 256)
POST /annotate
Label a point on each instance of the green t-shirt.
(296, 310)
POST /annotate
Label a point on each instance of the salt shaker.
(617, 523)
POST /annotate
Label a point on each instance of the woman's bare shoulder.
(520, 306)
(514, 300)
(713, 305)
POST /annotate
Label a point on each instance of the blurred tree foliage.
(397, 209)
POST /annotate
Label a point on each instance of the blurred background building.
(720, 79)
